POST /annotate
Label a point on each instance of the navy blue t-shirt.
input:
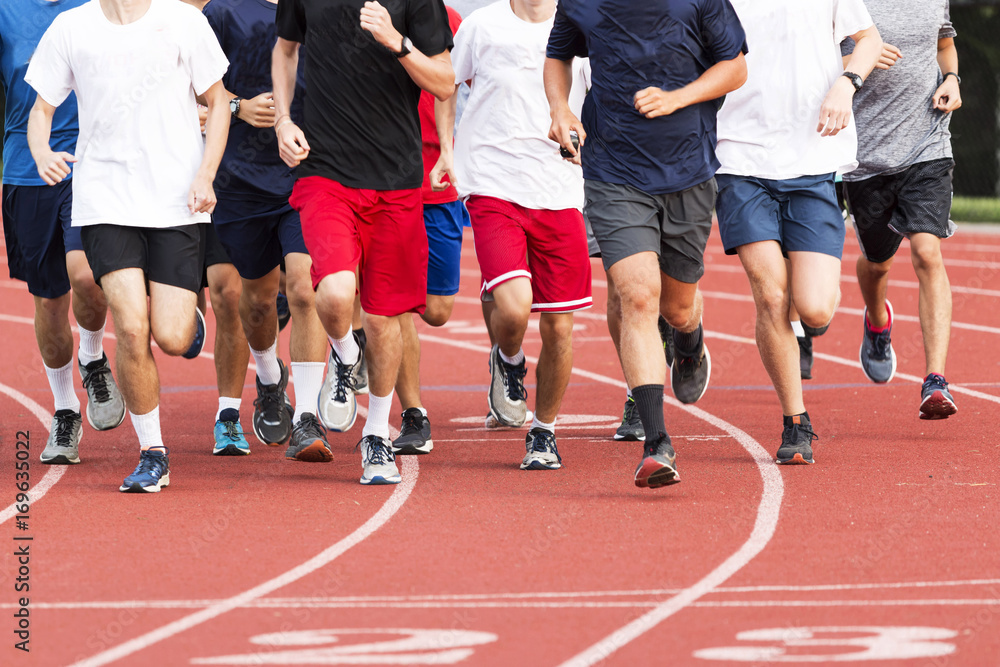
(635, 45)
(251, 165)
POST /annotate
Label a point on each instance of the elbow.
(738, 73)
(445, 88)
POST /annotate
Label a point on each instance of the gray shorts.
(676, 226)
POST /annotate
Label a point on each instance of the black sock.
(689, 343)
(360, 333)
(649, 400)
(803, 419)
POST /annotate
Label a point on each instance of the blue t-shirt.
(635, 45)
(22, 24)
(251, 166)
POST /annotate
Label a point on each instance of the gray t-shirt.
(897, 124)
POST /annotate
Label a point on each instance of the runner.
(903, 185)
(358, 189)
(43, 249)
(143, 177)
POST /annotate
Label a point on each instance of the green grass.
(975, 209)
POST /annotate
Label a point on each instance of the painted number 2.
(413, 647)
(835, 644)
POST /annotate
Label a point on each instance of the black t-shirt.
(361, 117)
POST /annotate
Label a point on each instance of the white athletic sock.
(91, 345)
(378, 416)
(515, 360)
(538, 423)
(147, 427)
(61, 382)
(268, 369)
(308, 376)
(346, 348)
(226, 403)
(797, 328)
(628, 392)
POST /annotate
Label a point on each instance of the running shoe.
(658, 466)
(308, 441)
(151, 475)
(63, 445)
(878, 360)
(667, 336)
(361, 377)
(507, 397)
(337, 406)
(105, 404)
(796, 441)
(631, 426)
(935, 399)
(198, 344)
(415, 434)
(284, 312)
(541, 451)
(229, 438)
(689, 374)
(378, 461)
(805, 356)
(272, 423)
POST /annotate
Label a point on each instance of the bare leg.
(52, 330)
(637, 279)
(436, 314)
(509, 319)
(873, 279)
(681, 304)
(89, 305)
(308, 340)
(935, 300)
(555, 364)
(231, 352)
(136, 370)
(385, 341)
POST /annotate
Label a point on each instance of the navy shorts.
(36, 228)
(444, 223)
(257, 234)
(802, 214)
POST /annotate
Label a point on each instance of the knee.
(926, 259)
(639, 298)
(772, 302)
(677, 315)
(437, 314)
(132, 333)
(226, 297)
(815, 316)
(174, 341)
(336, 295)
(556, 328)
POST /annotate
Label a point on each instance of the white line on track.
(768, 512)
(54, 473)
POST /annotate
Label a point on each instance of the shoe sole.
(540, 465)
(796, 460)
(413, 450)
(379, 481)
(631, 437)
(60, 459)
(204, 336)
(708, 377)
(230, 450)
(317, 452)
(653, 475)
(937, 406)
(155, 488)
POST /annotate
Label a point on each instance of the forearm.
(435, 75)
(558, 76)
(867, 49)
(216, 132)
(718, 80)
(947, 56)
(39, 132)
(284, 69)
(444, 121)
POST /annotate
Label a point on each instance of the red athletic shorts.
(379, 232)
(547, 247)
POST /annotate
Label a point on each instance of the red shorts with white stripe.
(379, 233)
(547, 247)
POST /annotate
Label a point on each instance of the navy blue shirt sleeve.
(291, 21)
(722, 31)
(566, 41)
(427, 21)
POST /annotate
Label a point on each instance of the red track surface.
(891, 538)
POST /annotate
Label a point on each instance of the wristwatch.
(234, 107)
(856, 80)
(954, 74)
(404, 51)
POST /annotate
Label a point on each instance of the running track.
(885, 551)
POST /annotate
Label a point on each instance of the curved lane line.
(768, 513)
(54, 473)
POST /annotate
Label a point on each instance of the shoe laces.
(687, 366)
(630, 410)
(309, 425)
(270, 399)
(96, 382)
(413, 420)
(796, 432)
(935, 381)
(377, 452)
(64, 430)
(880, 341)
(543, 442)
(345, 381)
(515, 380)
(233, 431)
(150, 463)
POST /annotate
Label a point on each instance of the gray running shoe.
(337, 406)
(308, 441)
(689, 375)
(658, 466)
(631, 426)
(878, 360)
(378, 461)
(541, 451)
(507, 397)
(415, 435)
(105, 405)
(272, 418)
(63, 446)
(796, 441)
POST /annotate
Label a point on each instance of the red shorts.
(379, 232)
(547, 247)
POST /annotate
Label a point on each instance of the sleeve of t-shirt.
(463, 55)
(947, 29)
(722, 31)
(204, 59)
(291, 21)
(50, 72)
(566, 40)
(216, 19)
(427, 22)
(849, 18)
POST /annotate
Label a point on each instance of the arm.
(835, 113)
(558, 76)
(292, 144)
(52, 167)
(718, 80)
(433, 74)
(948, 97)
(257, 111)
(444, 121)
(890, 54)
(201, 198)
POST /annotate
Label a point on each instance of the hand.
(292, 145)
(948, 97)
(653, 102)
(835, 114)
(258, 111)
(443, 169)
(376, 20)
(202, 116)
(54, 167)
(890, 54)
(565, 121)
(201, 198)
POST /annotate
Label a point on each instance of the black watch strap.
(855, 79)
(405, 48)
(954, 74)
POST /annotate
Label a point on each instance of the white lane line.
(54, 472)
(768, 512)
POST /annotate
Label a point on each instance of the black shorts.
(169, 255)
(888, 207)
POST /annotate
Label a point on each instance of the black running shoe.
(308, 442)
(284, 313)
(415, 435)
(805, 356)
(935, 399)
(631, 427)
(815, 333)
(667, 336)
(689, 374)
(658, 466)
(796, 441)
(271, 422)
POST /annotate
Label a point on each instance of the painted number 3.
(835, 644)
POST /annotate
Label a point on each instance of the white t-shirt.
(140, 142)
(502, 147)
(767, 128)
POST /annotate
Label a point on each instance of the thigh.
(559, 261)
(685, 227)
(815, 278)
(394, 262)
(748, 212)
(766, 268)
(111, 248)
(872, 203)
(125, 291)
(625, 220)
(501, 242)
(330, 225)
(444, 223)
(176, 256)
(925, 194)
(811, 220)
(34, 219)
(170, 308)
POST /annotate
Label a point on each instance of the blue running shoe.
(229, 438)
(151, 475)
(198, 344)
(878, 360)
(935, 399)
